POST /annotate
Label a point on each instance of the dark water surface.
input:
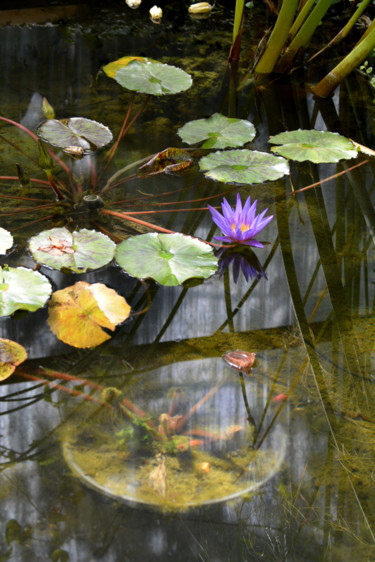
(308, 405)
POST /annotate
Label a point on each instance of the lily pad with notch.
(316, 146)
(74, 132)
(169, 259)
(22, 288)
(78, 314)
(76, 251)
(12, 354)
(218, 131)
(155, 78)
(243, 166)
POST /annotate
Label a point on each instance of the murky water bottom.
(311, 324)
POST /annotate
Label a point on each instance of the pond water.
(276, 463)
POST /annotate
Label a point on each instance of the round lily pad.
(112, 67)
(170, 259)
(315, 146)
(76, 131)
(218, 131)
(6, 240)
(243, 166)
(22, 288)
(77, 251)
(77, 314)
(154, 78)
(11, 355)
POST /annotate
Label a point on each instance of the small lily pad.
(154, 78)
(243, 166)
(218, 131)
(77, 131)
(6, 240)
(22, 288)
(77, 251)
(169, 161)
(112, 67)
(316, 146)
(170, 259)
(12, 354)
(77, 314)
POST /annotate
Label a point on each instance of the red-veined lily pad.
(77, 251)
(22, 288)
(243, 166)
(78, 314)
(218, 131)
(169, 161)
(315, 146)
(170, 259)
(6, 240)
(154, 78)
(112, 67)
(74, 132)
(12, 354)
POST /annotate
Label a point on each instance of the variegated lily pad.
(6, 240)
(218, 131)
(74, 132)
(22, 288)
(12, 354)
(153, 78)
(77, 251)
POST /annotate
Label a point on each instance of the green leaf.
(111, 68)
(11, 355)
(22, 288)
(170, 259)
(220, 131)
(76, 131)
(153, 78)
(77, 251)
(169, 160)
(243, 166)
(6, 240)
(315, 146)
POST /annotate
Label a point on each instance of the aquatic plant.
(240, 225)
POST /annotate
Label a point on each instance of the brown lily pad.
(11, 355)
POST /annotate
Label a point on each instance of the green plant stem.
(59, 195)
(304, 35)
(267, 62)
(234, 53)
(357, 14)
(326, 86)
(300, 18)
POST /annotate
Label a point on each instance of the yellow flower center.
(244, 227)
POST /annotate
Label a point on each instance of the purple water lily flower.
(240, 225)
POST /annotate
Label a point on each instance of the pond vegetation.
(170, 367)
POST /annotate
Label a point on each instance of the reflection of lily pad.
(22, 288)
(218, 131)
(243, 166)
(315, 146)
(76, 131)
(170, 259)
(153, 78)
(169, 160)
(6, 240)
(77, 251)
(11, 355)
(77, 314)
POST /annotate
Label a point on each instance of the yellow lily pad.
(11, 355)
(77, 314)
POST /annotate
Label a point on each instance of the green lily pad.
(12, 354)
(22, 288)
(218, 131)
(243, 166)
(170, 259)
(112, 67)
(154, 78)
(76, 131)
(315, 146)
(77, 251)
(169, 161)
(6, 240)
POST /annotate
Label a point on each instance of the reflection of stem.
(246, 402)
(200, 403)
